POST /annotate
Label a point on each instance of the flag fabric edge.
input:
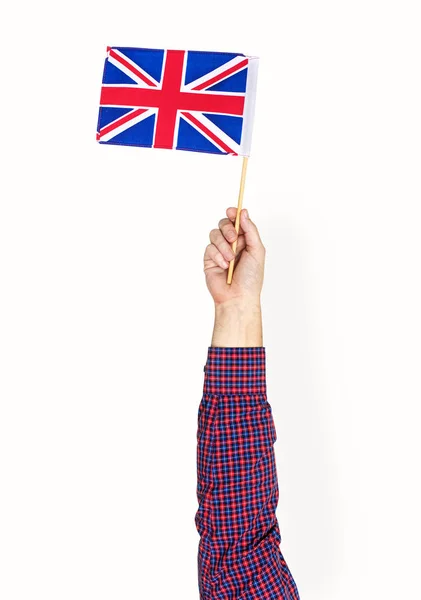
(250, 105)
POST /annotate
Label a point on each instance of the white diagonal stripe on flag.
(217, 137)
(116, 62)
(235, 62)
(111, 134)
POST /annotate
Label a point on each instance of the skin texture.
(238, 315)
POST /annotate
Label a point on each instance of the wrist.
(238, 323)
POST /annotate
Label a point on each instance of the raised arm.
(239, 556)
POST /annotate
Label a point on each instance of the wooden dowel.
(237, 218)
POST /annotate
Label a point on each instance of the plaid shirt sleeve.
(239, 555)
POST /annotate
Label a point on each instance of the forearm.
(238, 324)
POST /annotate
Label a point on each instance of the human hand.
(247, 280)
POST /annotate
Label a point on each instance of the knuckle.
(229, 232)
(208, 250)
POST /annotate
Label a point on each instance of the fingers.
(241, 244)
(231, 213)
(212, 254)
(214, 258)
(228, 229)
(248, 228)
(251, 233)
(219, 252)
(221, 243)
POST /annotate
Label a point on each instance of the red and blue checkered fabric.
(239, 557)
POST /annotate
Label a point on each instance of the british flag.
(178, 99)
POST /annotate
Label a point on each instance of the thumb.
(251, 234)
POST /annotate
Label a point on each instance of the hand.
(247, 280)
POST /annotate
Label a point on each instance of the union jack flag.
(178, 99)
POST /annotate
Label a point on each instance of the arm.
(237, 487)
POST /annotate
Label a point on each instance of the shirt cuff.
(235, 370)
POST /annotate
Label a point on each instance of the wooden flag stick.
(237, 218)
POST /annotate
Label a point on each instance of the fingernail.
(226, 265)
(246, 212)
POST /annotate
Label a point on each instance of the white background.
(106, 320)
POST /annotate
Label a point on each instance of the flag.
(178, 99)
